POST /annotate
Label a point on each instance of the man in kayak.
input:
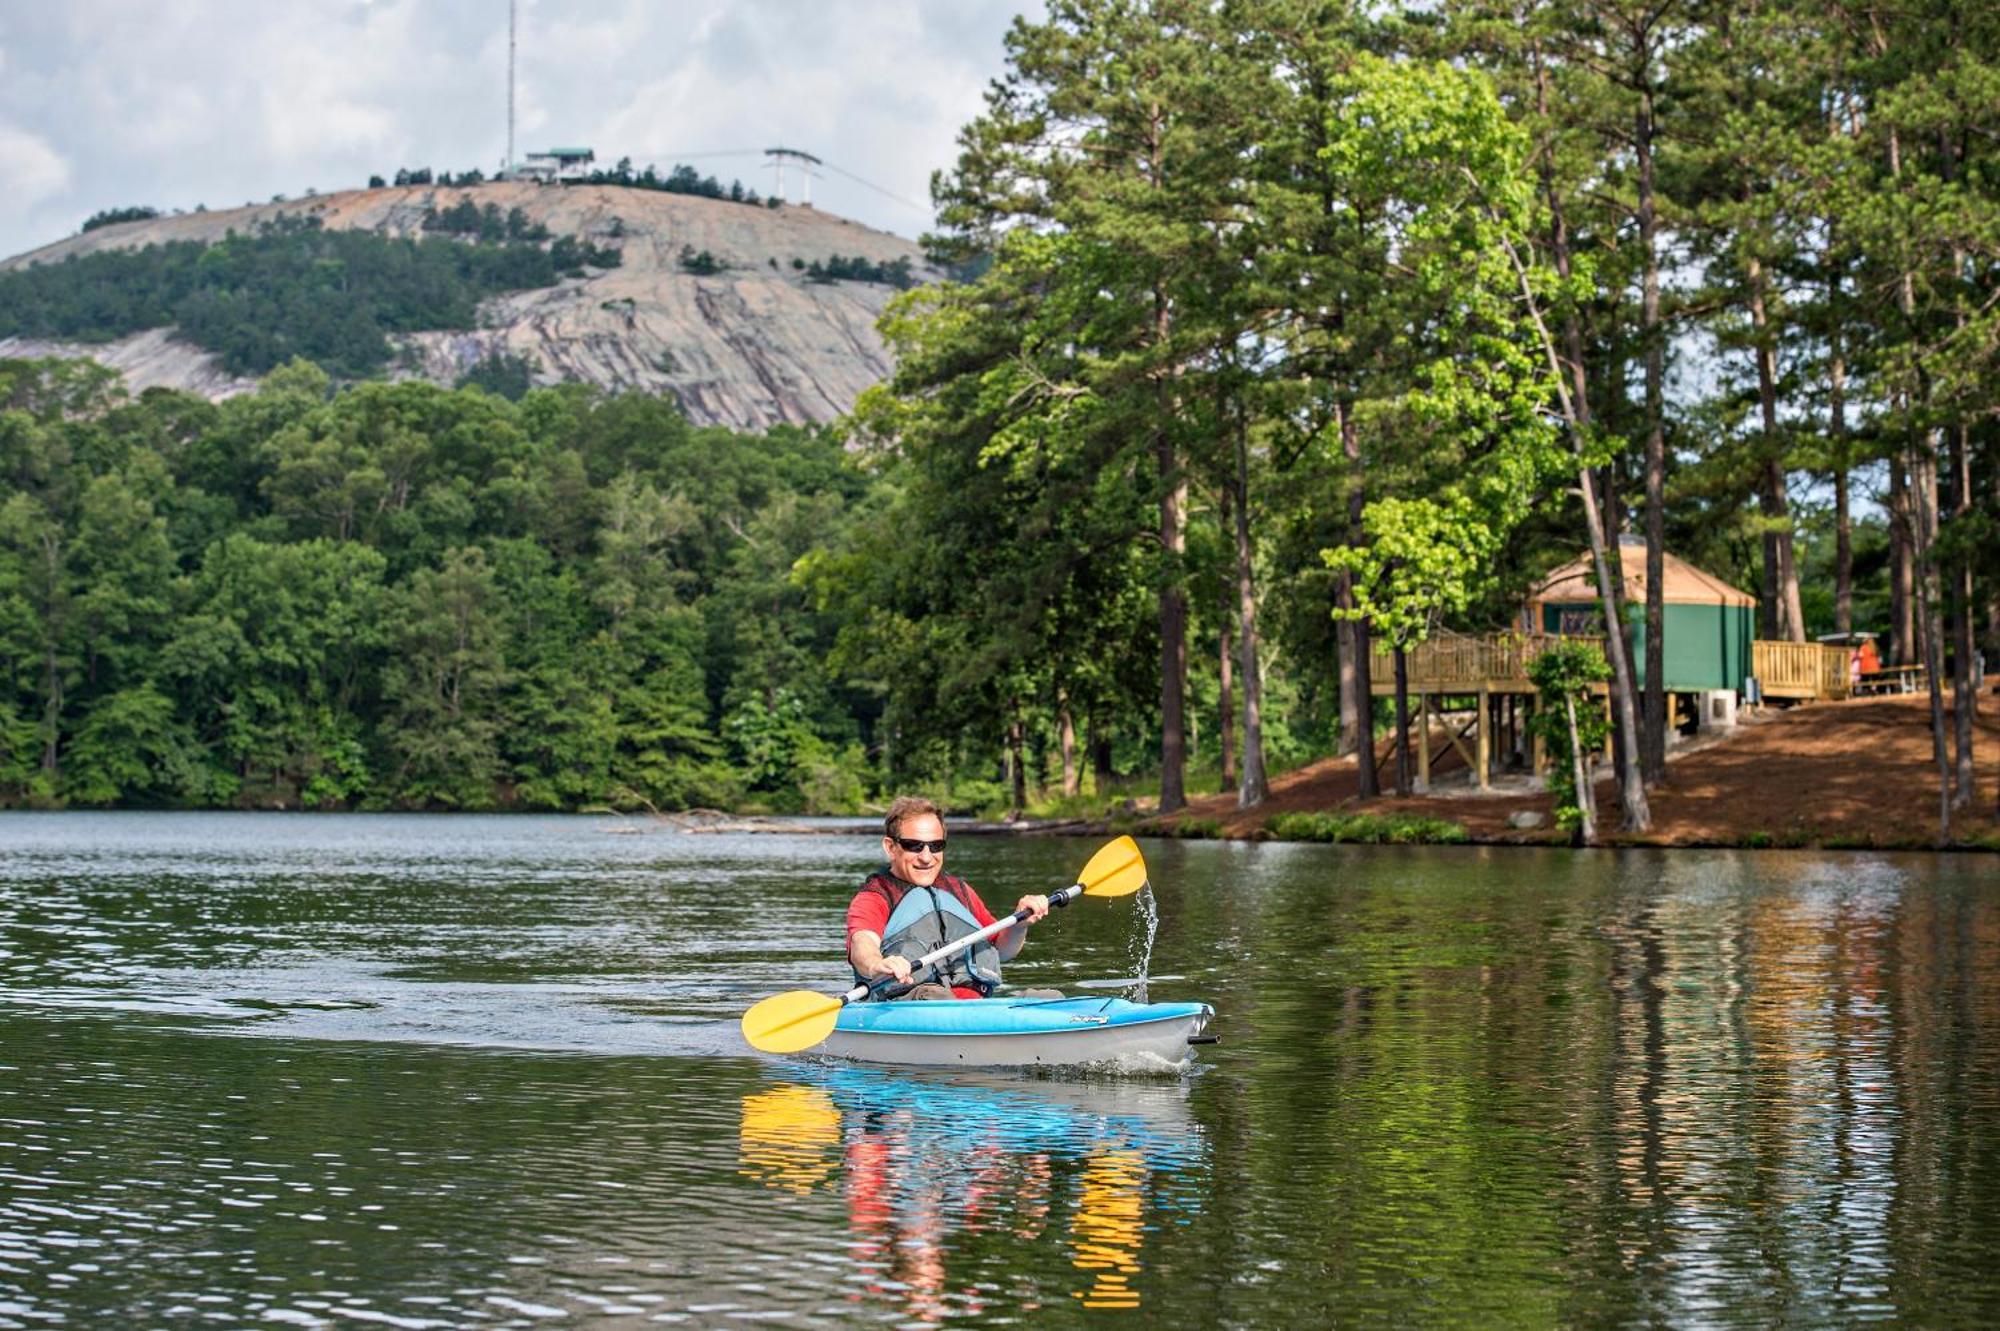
(914, 907)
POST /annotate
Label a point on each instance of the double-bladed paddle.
(791, 1022)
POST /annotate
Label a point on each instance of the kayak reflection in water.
(947, 1181)
(914, 907)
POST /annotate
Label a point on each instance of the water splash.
(1141, 949)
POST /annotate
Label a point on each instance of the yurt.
(1705, 635)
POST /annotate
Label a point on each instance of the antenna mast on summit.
(509, 164)
(778, 157)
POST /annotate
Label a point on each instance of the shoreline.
(1853, 775)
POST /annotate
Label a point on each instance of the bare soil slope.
(1848, 773)
(749, 347)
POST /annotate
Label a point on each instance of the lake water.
(467, 1071)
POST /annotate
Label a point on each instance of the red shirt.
(870, 911)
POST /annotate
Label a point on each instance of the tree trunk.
(1173, 535)
(1586, 798)
(1225, 665)
(1402, 721)
(1930, 614)
(1066, 734)
(1964, 696)
(1254, 787)
(1923, 478)
(1173, 631)
(1781, 569)
(1632, 789)
(1101, 775)
(1362, 639)
(1370, 781)
(1225, 707)
(1902, 565)
(1343, 640)
(53, 618)
(1017, 761)
(1653, 734)
(1843, 520)
(1631, 786)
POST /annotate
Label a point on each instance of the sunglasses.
(913, 845)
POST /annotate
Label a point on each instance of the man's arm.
(1008, 941)
(864, 951)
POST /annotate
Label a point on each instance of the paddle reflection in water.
(936, 1166)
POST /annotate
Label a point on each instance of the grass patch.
(1196, 829)
(1392, 829)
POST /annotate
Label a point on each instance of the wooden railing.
(1800, 669)
(1457, 663)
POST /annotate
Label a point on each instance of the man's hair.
(908, 806)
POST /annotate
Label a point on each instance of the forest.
(1289, 328)
(294, 289)
(1398, 309)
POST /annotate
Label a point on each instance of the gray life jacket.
(923, 919)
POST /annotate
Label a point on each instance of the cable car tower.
(776, 158)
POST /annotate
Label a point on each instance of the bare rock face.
(749, 347)
(152, 359)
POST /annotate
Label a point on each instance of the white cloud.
(31, 169)
(224, 102)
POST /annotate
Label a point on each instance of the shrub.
(113, 216)
(1371, 828)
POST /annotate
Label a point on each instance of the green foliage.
(682, 179)
(291, 290)
(1430, 149)
(1373, 828)
(1564, 675)
(113, 216)
(398, 595)
(701, 263)
(505, 374)
(467, 219)
(835, 268)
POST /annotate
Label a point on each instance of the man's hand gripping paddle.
(789, 1023)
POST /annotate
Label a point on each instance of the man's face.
(922, 865)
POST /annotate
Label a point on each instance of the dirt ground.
(1857, 773)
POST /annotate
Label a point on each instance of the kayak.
(1019, 1032)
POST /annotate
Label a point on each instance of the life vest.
(924, 919)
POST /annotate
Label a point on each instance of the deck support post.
(1537, 750)
(1484, 746)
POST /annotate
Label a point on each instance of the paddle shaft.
(1001, 925)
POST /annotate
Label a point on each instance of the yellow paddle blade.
(787, 1023)
(1118, 870)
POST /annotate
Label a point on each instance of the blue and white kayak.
(1019, 1032)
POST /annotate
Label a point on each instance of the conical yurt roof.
(1685, 584)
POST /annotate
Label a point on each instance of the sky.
(179, 103)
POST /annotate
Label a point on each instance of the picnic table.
(1891, 679)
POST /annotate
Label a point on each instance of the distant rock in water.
(714, 302)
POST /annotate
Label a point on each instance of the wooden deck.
(1490, 672)
(1498, 663)
(1462, 663)
(1801, 671)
